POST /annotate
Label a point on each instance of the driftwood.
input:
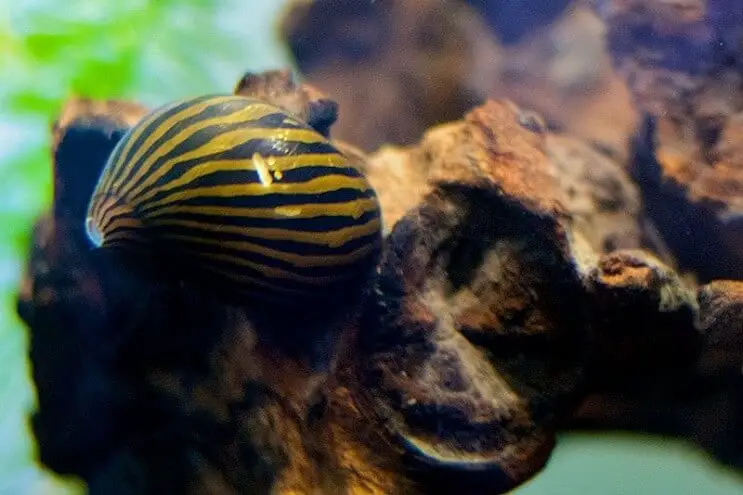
(491, 320)
(523, 290)
(643, 103)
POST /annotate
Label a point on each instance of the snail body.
(239, 193)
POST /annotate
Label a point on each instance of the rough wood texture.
(702, 403)
(492, 317)
(683, 62)
(280, 88)
(599, 195)
(475, 355)
(83, 135)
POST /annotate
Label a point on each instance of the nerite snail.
(239, 191)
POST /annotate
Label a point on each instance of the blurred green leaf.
(45, 47)
(102, 78)
(31, 101)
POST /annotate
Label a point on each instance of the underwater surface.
(155, 52)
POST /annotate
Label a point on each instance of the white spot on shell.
(288, 211)
(91, 229)
(264, 174)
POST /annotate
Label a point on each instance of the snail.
(241, 194)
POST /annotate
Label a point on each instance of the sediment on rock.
(602, 201)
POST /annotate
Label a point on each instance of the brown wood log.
(490, 320)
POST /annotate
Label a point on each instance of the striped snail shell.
(241, 194)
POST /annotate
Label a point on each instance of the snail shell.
(240, 194)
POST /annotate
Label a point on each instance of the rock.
(280, 88)
(602, 202)
(399, 176)
(721, 321)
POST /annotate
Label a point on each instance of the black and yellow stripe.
(238, 189)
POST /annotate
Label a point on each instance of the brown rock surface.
(721, 320)
(280, 88)
(399, 176)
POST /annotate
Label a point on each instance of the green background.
(154, 51)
